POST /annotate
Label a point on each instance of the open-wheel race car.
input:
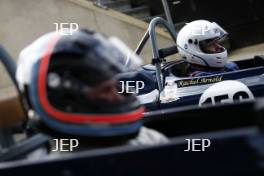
(166, 84)
(236, 141)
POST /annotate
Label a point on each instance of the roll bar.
(158, 55)
(6, 137)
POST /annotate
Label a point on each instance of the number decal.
(226, 92)
(219, 98)
(238, 96)
(207, 101)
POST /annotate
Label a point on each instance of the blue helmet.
(57, 72)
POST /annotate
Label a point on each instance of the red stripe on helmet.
(73, 117)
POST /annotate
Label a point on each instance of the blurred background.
(22, 21)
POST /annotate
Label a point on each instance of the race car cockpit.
(167, 84)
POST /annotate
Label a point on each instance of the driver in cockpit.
(198, 43)
(72, 91)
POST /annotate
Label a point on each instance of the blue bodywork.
(251, 73)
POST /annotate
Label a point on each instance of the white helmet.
(194, 36)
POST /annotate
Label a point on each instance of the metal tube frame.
(167, 12)
(151, 34)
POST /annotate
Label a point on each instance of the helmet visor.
(108, 91)
(212, 46)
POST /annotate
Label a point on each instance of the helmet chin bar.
(193, 55)
(156, 56)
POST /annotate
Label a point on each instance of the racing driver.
(198, 43)
(70, 84)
